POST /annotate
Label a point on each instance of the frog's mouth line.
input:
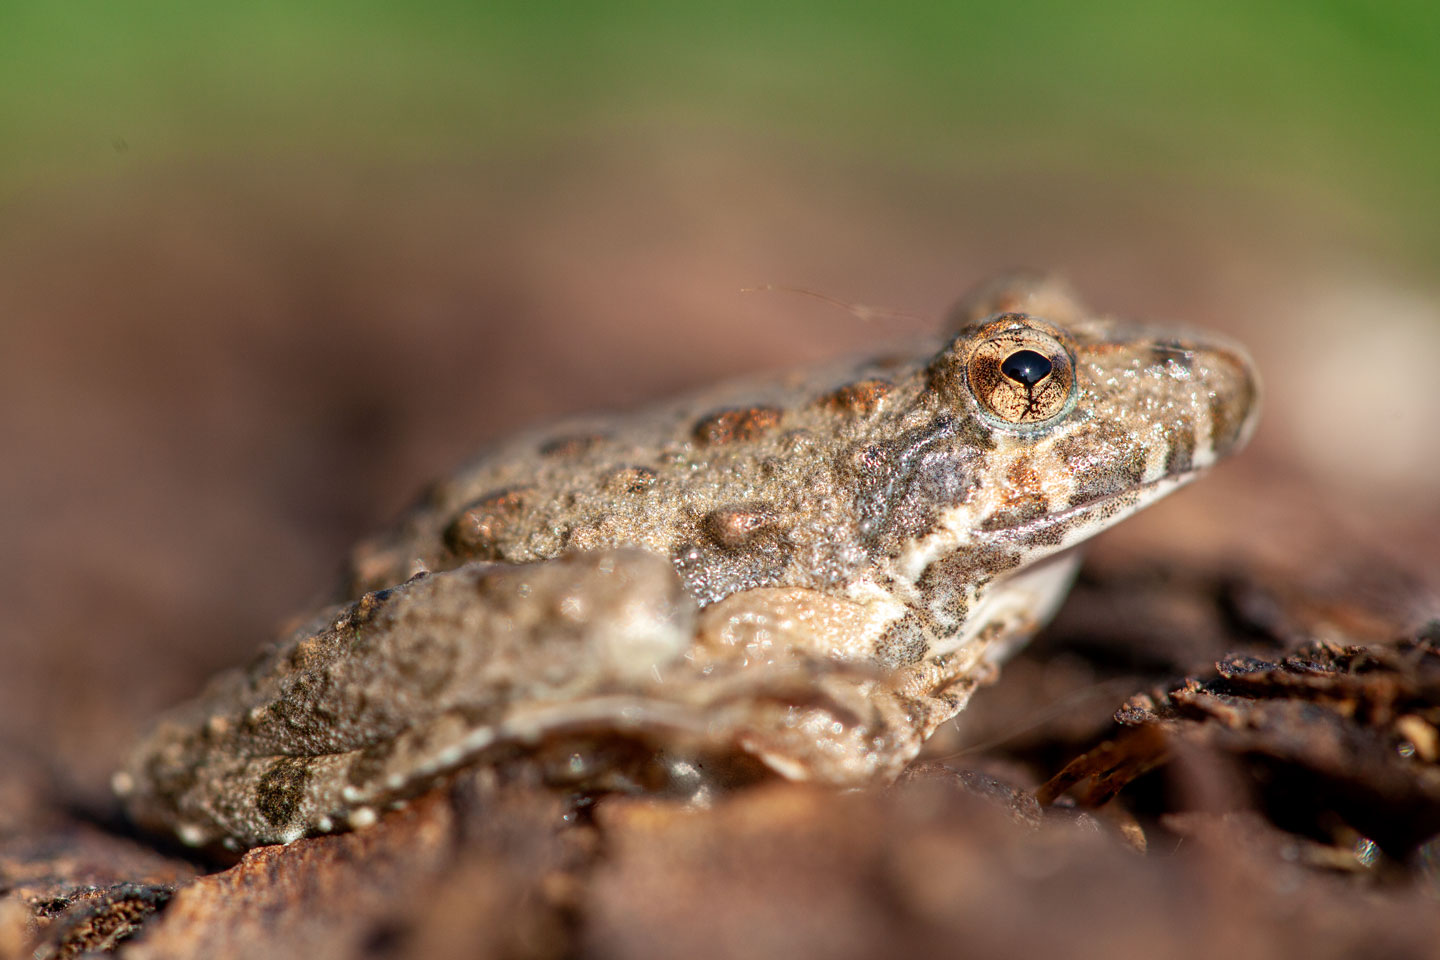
(1090, 517)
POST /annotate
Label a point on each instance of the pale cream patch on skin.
(764, 625)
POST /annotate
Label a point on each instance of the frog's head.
(1085, 420)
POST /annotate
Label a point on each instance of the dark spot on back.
(630, 479)
(735, 426)
(736, 525)
(711, 572)
(480, 529)
(571, 446)
(281, 789)
(859, 399)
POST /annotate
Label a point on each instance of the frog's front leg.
(810, 698)
(866, 716)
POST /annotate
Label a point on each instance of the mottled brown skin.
(845, 465)
(811, 572)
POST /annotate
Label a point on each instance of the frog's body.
(811, 574)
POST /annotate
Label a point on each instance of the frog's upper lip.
(1139, 496)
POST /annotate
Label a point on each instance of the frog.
(797, 577)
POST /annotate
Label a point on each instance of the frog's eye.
(1027, 367)
(1022, 376)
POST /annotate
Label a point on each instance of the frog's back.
(747, 485)
(860, 473)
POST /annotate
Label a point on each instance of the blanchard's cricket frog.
(801, 577)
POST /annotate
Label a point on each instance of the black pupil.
(1026, 366)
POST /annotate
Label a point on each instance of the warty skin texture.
(803, 576)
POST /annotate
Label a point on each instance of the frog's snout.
(1185, 402)
(1231, 394)
(1211, 390)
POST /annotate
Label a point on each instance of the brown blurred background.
(263, 272)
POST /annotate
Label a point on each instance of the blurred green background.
(1327, 104)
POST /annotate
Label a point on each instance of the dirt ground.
(213, 380)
